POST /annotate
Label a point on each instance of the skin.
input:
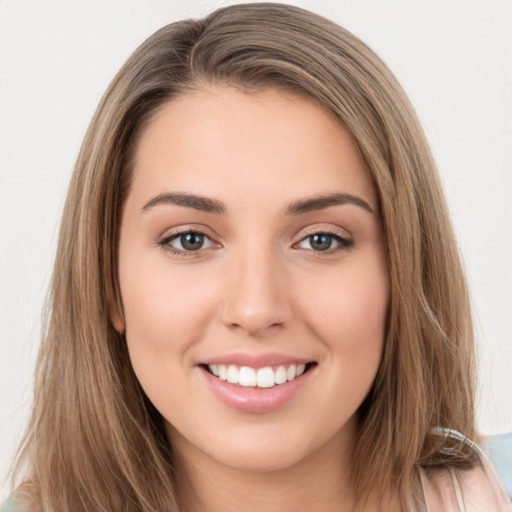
(258, 285)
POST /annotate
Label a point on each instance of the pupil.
(192, 241)
(321, 242)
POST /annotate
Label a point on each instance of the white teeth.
(233, 374)
(291, 373)
(280, 375)
(265, 377)
(262, 378)
(247, 376)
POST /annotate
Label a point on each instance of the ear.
(116, 315)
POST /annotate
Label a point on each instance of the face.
(253, 278)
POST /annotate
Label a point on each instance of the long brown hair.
(94, 441)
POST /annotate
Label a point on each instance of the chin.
(263, 450)
(258, 460)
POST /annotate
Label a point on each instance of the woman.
(257, 301)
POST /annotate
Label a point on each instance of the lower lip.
(256, 400)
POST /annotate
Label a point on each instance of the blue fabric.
(498, 449)
(8, 506)
(11, 505)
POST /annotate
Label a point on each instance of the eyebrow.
(310, 204)
(301, 206)
(203, 204)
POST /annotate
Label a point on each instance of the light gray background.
(57, 56)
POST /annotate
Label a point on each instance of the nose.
(257, 297)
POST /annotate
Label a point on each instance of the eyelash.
(165, 243)
(344, 243)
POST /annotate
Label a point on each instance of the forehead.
(224, 142)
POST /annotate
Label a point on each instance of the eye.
(186, 242)
(320, 242)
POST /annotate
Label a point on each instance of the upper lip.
(256, 360)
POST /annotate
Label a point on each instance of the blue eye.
(320, 242)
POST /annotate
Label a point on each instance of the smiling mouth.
(266, 377)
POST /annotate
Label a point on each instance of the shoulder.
(449, 489)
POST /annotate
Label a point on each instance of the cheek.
(164, 311)
(349, 311)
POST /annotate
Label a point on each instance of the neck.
(322, 481)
